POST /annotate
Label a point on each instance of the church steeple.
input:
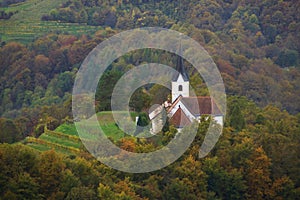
(180, 80)
(180, 68)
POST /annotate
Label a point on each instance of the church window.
(180, 88)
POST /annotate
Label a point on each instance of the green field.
(39, 147)
(106, 122)
(65, 137)
(26, 24)
(61, 141)
(68, 129)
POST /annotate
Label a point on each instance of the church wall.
(219, 119)
(185, 88)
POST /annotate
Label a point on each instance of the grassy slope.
(106, 122)
(61, 141)
(39, 147)
(26, 25)
(69, 129)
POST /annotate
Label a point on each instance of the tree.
(110, 19)
(105, 89)
(124, 190)
(82, 17)
(179, 189)
(79, 50)
(42, 64)
(198, 86)
(189, 172)
(105, 192)
(69, 181)
(158, 93)
(143, 120)
(258, 175)
(9, 133)
(50, 170)
(83, 170)
(226, 185)
(16, 169)
(27, 187)
(78, 193)
(270, 31)
(151, 187)
(236, 117)
(127, 144)
(9, 54)
(140, 100)
(7, 103)
(288, 58)
(285, 161)
(283, 188)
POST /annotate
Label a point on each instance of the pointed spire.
(180, 67)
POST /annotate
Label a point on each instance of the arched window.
(180, 88)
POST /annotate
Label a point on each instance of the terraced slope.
(26, 24)
(65, 138)
(56, 140)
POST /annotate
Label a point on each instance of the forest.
(255, 45)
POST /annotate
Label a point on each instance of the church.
(183, 109)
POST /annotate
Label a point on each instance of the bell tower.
(180, 80)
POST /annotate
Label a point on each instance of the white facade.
(219, 119)
(180, 87)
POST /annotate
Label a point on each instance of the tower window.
(180, 88)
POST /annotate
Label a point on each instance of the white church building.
(183, 109)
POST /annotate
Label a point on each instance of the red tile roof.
(201, 105)
(198, 105)
(179, 119)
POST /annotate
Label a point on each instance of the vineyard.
(49, 152)
(26, 25)
(65, 138)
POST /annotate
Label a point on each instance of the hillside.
(26, 24)
(254, 44)
(258, 55)
(65, 138)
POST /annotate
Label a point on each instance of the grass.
(39, 147)
(17, 7)
(63, 142)
(26, 24)
(106, 122)
(113, 131)
(45, 142)
(67, 128)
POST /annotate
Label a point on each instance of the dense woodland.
(261, 161)
(255, 45)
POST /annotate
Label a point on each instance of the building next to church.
(183, 109)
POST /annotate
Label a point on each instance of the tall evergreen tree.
(236, 118)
